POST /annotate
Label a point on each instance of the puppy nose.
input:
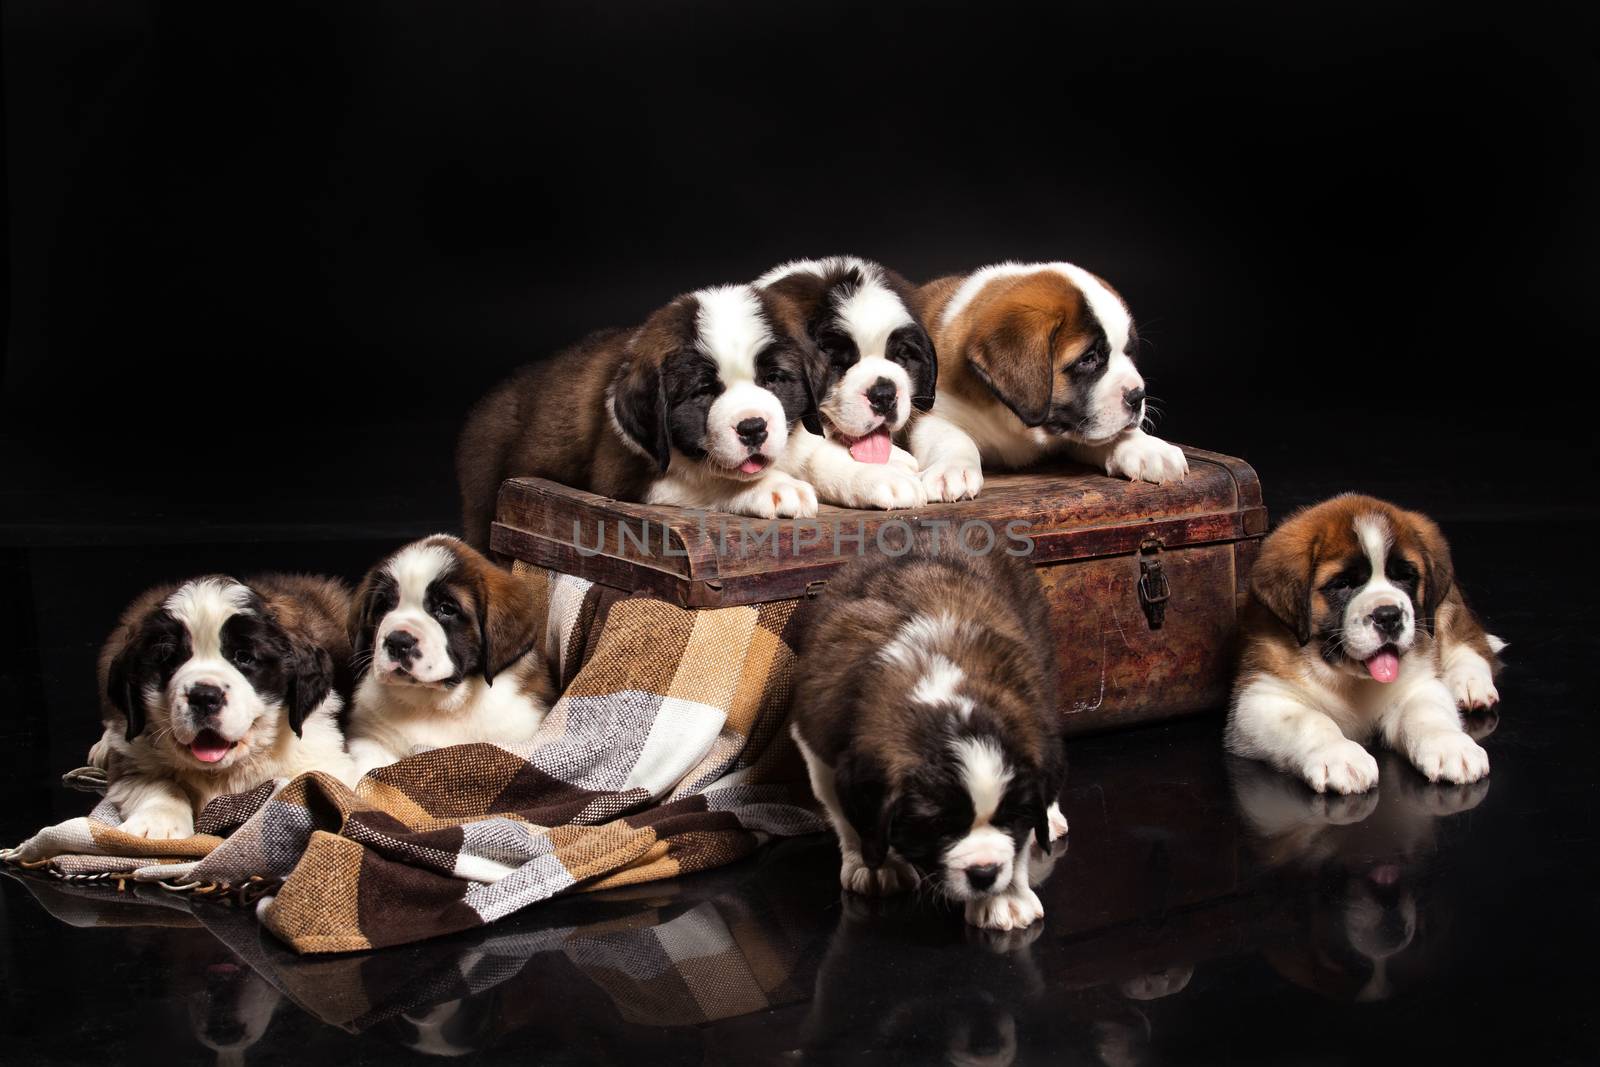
(205, 699)
(401, 646)
(983, 875)
(1133, 398)
(882, 396)
(752, 432)
(1388, 620)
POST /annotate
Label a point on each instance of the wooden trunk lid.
(709, 559)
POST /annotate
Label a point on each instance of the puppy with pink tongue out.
(214, 686)
(873, 364)
(1356, 628)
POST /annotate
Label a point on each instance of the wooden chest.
(1144, 581)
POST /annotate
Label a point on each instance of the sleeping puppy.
(693, 408)
(1037, 358)
(215, 686)
(449, 649)
(875, 364)
(1355, 627)
(925, 710)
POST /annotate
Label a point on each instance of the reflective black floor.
(1204, 912)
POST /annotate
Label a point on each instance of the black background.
(262, 259)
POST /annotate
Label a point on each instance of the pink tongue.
(754, 464)
(873, 448)
(1384, 667)
(209, 746)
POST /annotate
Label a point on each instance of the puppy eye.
(445, 610)
(1339, 583)
(1089, 362)
(243, 657)
(779, 377)
(1402, 571)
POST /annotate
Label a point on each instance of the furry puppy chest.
(693, 408)
(449, 649)
(1357, 628)
(925, 710)
(1038, 357)
(215, 686)
(875, 365)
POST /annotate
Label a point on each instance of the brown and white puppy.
(693, 408)
(1356, 627)
(1037, 358)
(214, 686)
(925, 710)
(449, 649)
(875, 365)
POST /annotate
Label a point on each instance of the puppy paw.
(1343, 767)
(159, 824)
(1337, 809)
(1003, 942)
(100, 752)
(1158, 985)
(885, 486)
(1471, 684)
(1057, 821)
(1012, 909)
(952, 480)
(895, 876)
(1437, 800)
(777, 496)
(1450, 756)
(899, 457)
(793, 499)
(1142, 458)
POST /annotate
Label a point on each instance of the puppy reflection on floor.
(231, 1013)
(1363, 860)
(891, 983)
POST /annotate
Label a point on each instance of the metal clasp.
(1154, 592)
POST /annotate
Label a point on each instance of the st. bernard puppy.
(876, 364)
(1037, 357)
(449, 649)
(925, 710)
(1355, 627)
(693, 408)
(215, 686)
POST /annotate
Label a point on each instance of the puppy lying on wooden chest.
(925, 710)
(693, 408)
(449, 649)
(1037, 358)
(875, 364)
(1356, 627)
(215, 686)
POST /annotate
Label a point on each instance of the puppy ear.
(863, 789)
(124, 693)
(1438, 569)
(309, 683)
(508, 624)
(639, 402)
(912, 347)
(1014, 360)
(1052, 776)
(1281, 579)
(817, 376)
(363, 624)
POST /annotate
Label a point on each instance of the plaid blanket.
(665, 754)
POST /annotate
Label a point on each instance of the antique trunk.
(1144, 581)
